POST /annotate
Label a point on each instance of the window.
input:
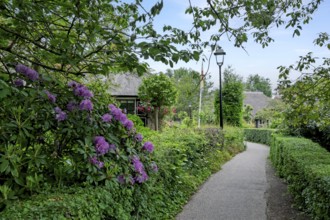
(128, 105)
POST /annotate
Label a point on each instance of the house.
(125, 90)
(258, 101)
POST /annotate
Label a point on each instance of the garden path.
(236, 192)
(246, 188)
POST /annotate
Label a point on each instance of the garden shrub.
(56, 133)
(185, 158)
(259, 135)
(306, 167)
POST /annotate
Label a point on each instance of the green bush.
(259, 135)
(306, 167)
(185, 158)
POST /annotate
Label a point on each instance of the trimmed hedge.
(259, 135)
(185, 157)
(306, 167)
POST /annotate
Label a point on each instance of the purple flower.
(73, 84)
(19, 82)
(51, 97)
(101, 145)
(71, 106)
(142, 177)
(154, 166)
(138, 165)
(82, 91)
(117, 114)
(128, 124)
(111, 107)
(20, 68)
(32, 74)
(138, 137)
(26, 71)
(96, 162)
(121, 179)
(106, 117)
(86, 104)
(148, 146)
(60, 115)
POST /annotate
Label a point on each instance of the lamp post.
(220, 56)
(190, 111)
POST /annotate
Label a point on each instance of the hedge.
(259, 135)
(185, 158)
(306, 167)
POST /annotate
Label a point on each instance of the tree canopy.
(187, 83)
(102, 36)
(157, 91)
(258, 83)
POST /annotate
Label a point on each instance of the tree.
(232, 98)
(187, 83)
(258, 83)
(102, 36)
(158, 91)
(308, 97)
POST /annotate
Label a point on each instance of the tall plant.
(158, 91)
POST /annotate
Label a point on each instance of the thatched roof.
(125, 84)
(257, 100)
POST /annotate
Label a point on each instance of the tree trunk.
(156, 118)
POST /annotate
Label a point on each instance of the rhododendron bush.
(55, 132)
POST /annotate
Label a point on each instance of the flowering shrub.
(56, 133)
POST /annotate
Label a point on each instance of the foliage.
(274, 113)
(158, 91)
(185, 158)
(95, 37)
(105, 36)
(308, 97)
(259, 135)
(187, 82)
(232, 98)
(258, 83)
(57, 134)
(247, 113)
(306, 167)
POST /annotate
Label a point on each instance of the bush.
(57, 133)
(306, 167)
(259, 135)
(185, 158)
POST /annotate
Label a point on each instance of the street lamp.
(220, 56)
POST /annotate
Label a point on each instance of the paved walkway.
(236, 192)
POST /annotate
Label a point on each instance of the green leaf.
(4, 165)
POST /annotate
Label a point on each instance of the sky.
(255, 60)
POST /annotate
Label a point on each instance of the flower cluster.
(139, 169)
(148, 146)
(19, 82)
(101, 145)
(138, 137)
(26, 71)
(60, 115)
(82, 91)
(118, 115)
(51, 97)
(96, 162)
